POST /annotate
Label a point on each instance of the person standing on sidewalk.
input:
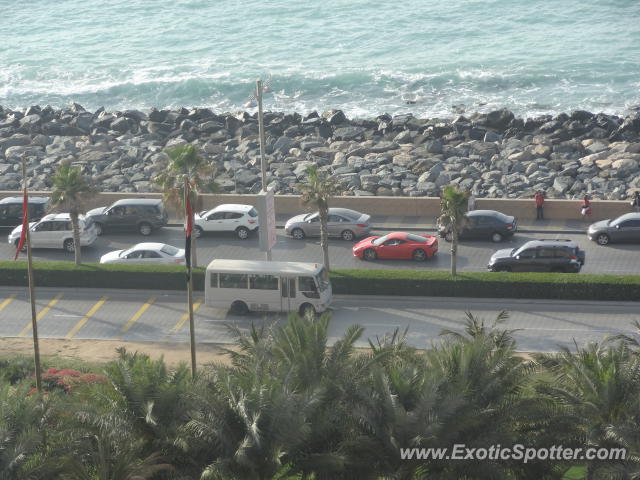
(586, 206)
(539, 197)
(635, 202)
(471, 201)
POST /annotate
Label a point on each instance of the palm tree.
(70, 188)
(599, 389)
(316, 193)
(24, 417)
(152, 397)
(453, 208)
(187, 165)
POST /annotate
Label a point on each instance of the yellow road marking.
(42, 313)
(86, 318)
(137, 315)
(184, 318)
(6, 302)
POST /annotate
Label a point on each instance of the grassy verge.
(357, 282)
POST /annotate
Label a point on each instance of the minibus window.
(263, 282)
(308, 287)
(233, 280)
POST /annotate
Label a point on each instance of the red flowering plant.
(66, 379)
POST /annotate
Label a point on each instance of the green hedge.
(96, 275)
(564, 286)
(356, 282)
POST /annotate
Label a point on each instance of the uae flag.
(188, 228)
(25, 224)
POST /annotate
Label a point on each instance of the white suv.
(54, 231)
(230, 217)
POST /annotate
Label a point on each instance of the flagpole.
(32, 295)
(192, 335)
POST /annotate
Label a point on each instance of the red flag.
(188, 228)
(25, 224)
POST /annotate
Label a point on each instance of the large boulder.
(348, 133)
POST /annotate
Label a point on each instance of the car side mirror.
(618, 226)
(518, 257)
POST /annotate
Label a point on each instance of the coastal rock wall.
(495, 155)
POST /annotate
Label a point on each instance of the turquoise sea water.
(366, 57)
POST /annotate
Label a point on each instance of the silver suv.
(54, 231)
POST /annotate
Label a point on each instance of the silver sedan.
(146, 253)
(342, 222)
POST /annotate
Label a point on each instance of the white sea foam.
(364, 57)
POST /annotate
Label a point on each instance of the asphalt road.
(146, 316)
(472, 255)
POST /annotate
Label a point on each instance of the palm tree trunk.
(324, 237)
(454, 250)
(76, 237)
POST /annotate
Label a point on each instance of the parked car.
(146, 253)
(625, 228)
(397, 245)
(342, 222)
(142, 215)
(54, 231)
(481, 225)
(11, 210)
(539, 256)
(231, 217)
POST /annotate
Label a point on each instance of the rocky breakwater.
(494, 155)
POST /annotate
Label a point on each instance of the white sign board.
(267, 220)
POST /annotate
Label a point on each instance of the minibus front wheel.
(307, 310)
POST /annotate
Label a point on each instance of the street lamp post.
(263, 161)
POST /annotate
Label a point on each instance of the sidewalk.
(428, 224)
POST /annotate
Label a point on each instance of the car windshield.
(380, 240)
(124, 253)
(253, 212)
(310, 216)
(620, 219)
(169, 250)
(322, 280)
(516, 252)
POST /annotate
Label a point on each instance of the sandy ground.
(100, 351)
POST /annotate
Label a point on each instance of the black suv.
(483, 225)
(539, 256)
(11, 210)
(143, 215)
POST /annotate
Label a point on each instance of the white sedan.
(146, 253)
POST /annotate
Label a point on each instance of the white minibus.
(244, 285)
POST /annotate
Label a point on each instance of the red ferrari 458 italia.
(397, 245)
